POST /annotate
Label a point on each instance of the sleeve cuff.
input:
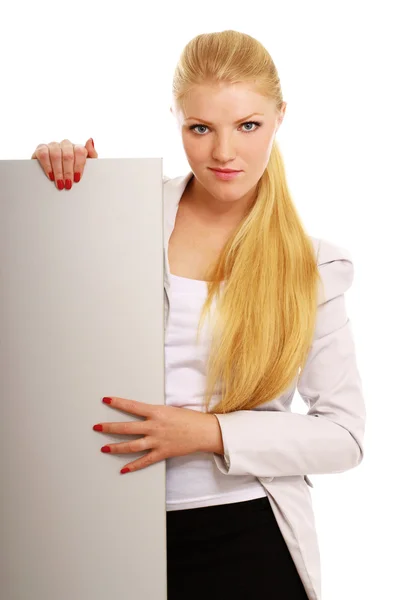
(223, 462)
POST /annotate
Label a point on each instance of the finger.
(81, 154)
(131, 406)
(43, 156)
(67, 150)
(92, 153)
(143, 443)
(124, 428)
(56, 164)
(143, 462)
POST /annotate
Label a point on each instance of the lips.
(226, 170)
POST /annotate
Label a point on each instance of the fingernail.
(60, 184)
(106, 449)
(77, 177)
(92, 142)
(98, 427)
(107, 400)
(125, 470)
(68, 184)
(51, 175)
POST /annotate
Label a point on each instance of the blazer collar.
(173, 192)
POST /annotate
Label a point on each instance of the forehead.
(227, 101)
(240, 91)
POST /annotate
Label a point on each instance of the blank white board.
(81, 317)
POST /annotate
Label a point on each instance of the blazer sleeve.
(329, 438)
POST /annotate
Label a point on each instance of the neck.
(212, 211)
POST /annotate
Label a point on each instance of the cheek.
(195, 148)
(260, 149)
(261, 143)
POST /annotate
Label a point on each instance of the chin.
(223, 194)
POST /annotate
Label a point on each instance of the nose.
(223, 151)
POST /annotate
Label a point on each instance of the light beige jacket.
(282, 448)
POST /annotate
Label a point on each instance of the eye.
(257, 123)
(252, 123)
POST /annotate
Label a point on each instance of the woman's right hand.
(64, 162)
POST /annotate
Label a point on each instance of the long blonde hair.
(264, 320)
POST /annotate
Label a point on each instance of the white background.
(86, 69)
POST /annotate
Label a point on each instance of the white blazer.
(282, 448)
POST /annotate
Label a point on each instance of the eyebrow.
(236, 122)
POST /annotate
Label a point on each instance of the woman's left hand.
(168, 431)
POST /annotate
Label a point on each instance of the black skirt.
(229, 552)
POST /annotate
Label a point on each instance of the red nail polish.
(106, 449)
(92, 142)
(51, 175)
(68, 184)
(77, 177)
(60, 184)
(107, 400)
(125, 470)
(98, 427)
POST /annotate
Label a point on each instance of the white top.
(194, 480)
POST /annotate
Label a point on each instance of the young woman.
(240, 518)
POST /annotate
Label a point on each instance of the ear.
(282, 114)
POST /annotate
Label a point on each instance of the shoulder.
(335, 266)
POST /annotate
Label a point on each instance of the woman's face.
(218, 130)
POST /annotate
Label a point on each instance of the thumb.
(90, 148)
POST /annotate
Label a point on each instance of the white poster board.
(81, 317)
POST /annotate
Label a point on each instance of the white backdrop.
(84, 69)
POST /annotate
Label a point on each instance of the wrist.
(212, 441)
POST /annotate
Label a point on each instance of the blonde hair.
(264, 320)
